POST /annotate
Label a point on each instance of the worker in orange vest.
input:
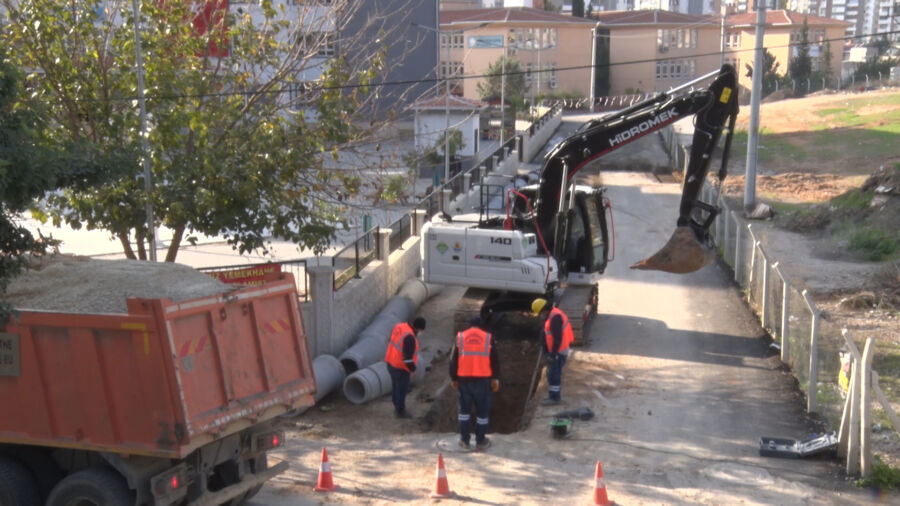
(402, 357)
(474, 374)
(557, 336)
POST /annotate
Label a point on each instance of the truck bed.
(161, 380)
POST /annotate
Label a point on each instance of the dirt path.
(678, 373)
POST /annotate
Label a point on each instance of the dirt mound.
(84, 285)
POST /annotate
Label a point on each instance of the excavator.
(553, 240)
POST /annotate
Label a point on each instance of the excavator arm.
(712, 107)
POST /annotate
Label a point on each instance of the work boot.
(464, 445)
(482, 445)
(404, 414)
(549, 401)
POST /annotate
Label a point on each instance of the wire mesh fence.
(809, 345)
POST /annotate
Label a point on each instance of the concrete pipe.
(367, 384)
(372, 341)
(329, 374)
(374, 381)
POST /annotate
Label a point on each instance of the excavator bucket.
(683, 253)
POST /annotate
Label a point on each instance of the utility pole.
(447, 38)
(145, 145)
(503, 90)
(755, 96)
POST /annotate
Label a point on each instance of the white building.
(433, 115)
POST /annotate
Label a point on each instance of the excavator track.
(579, 302)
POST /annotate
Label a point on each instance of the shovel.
(683, 253)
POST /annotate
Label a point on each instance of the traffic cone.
(325, 483)
(441, 487)
(600, 487)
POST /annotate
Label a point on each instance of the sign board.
(254, 275)
(485, 42)
(9, 355)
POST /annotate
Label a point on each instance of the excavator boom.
(712, 107)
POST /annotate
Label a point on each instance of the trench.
(514, 405)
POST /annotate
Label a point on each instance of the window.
(682, 38)
(454, 39)
(676, 69)
(733, 39)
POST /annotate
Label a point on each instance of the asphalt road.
(678, 371)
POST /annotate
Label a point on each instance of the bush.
(883, 477)
(874, 244)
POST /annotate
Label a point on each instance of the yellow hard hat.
(538, 305)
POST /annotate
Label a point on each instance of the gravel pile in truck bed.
(75, 284)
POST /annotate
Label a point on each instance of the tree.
(800, 67)
(231, 150)
(29, 169)
(770, 72)
(515, 81)
(577, 8)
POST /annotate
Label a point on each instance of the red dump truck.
(166, 403)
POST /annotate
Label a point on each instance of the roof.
(455, 103)
(649, 17)
(509, 15)
(782, 18)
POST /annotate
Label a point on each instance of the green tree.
(29, 169)
(770, 72)
(800, 67)
(230, 153)
(877, 63)
(515, 81)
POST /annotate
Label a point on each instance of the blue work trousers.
(478, 392)
(399, 388)
(554, 376)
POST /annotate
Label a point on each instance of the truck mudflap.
(238, 489)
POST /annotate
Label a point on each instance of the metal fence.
(809, 345)
(354, 257)
(295, 267)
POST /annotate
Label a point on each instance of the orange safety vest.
(394, 354)
(567, 336)
(474, 347)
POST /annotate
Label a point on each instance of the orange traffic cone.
(600, 487)
(325, 484)
(441, 487)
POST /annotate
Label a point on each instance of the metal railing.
(401, 230)
(354, 257)
(295, 267)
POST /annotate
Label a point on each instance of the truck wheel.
(17, 486)
(98, 486)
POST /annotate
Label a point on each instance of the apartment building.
(553, 49)
(866, 18)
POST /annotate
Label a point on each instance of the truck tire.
(17, 485)
(99, 486)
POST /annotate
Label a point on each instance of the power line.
(311, 86)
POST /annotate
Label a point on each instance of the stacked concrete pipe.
(372, 341)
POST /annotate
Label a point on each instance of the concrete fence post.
(321, 292)
(785, 316)
(446, 196)
(383, 237)
(738, 251)
(812, 402)
(418, 220)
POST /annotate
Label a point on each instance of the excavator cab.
(585, 247)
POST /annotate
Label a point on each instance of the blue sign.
(485, 41)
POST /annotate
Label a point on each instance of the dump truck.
(167, 402)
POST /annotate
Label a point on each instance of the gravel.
(76, 284)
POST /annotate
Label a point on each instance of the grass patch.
(874, 244)
(883, 477)
(853, 201)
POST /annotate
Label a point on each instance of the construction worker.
(474, 374)
(402, 356)
(557, 337)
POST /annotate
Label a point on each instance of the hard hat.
(538, 305)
